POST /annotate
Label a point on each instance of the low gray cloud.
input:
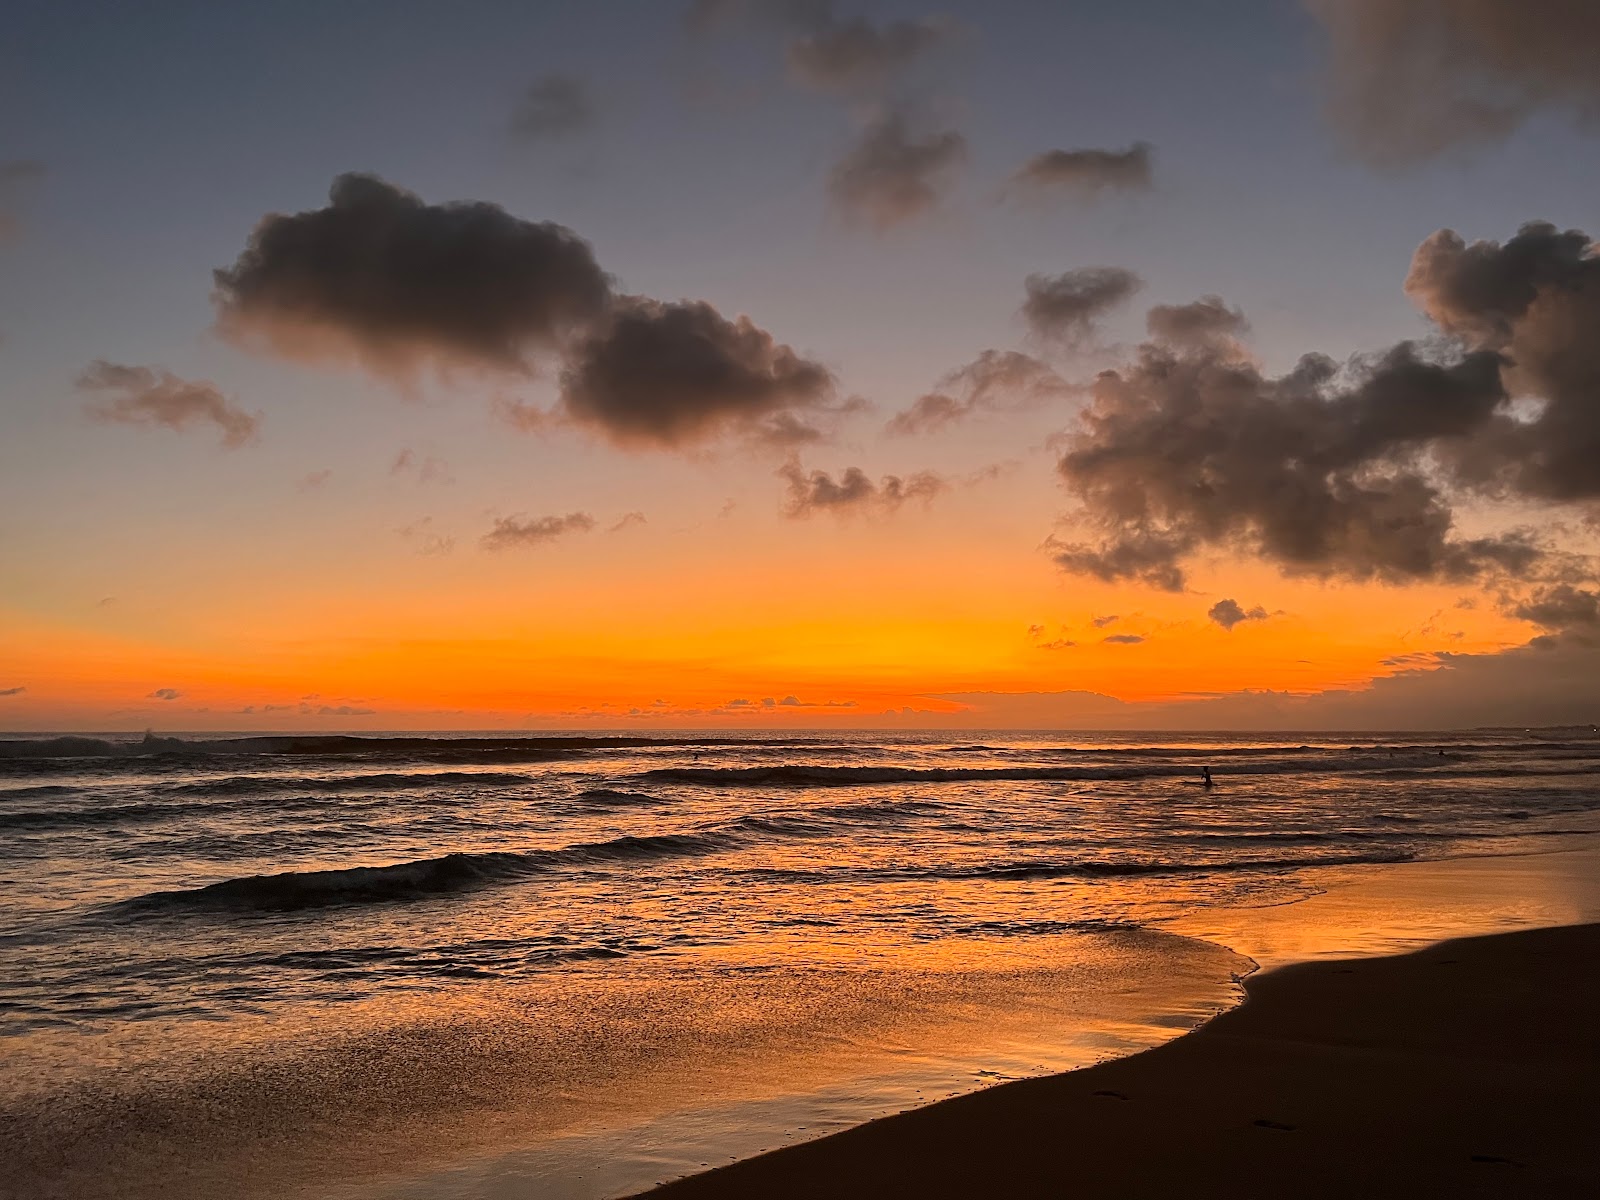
(1355, 470)
(853, 491)
(164, 694)
(1122, 639)
(1108, 619)
(1085, 174)
(383, 278)
(1229, 613)
(1410, 79)
(554, 106)
(892, 176)
(668, 374)
(12, 691)
(153, 396)
(519, 531)
(995, 381)
(1561, 607)
(1065, 307)
(1206, 322)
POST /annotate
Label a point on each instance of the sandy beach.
(1466, 1069)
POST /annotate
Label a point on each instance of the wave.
(435, 749)
(807, 775)
(383, 781)
(612, 798)
(291, 891)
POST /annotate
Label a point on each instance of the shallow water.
(454, 965)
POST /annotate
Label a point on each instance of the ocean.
(491, 965)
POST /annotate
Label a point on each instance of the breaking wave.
(294, 890)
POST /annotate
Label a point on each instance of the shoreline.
(1465, 1068)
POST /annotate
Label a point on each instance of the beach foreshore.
(1465, 1069)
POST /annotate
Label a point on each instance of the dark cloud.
(891, 175)
(1085, 173)
(164, 694)
(1065, 307)
(1108, 619)
(384, 278)
(1562, 607)
(857, 55)
(1535, 303)
(511, 532)
(853, 491)
(1548, 682)
(152, 396)
(16, 176)
(12, 691)
(1122, 639)
(995, 381)
(1410, 79)
(555, 106)
(668, 374)
(1355, 471)
(1058, 644)
(1207, 321)
(1229, 613)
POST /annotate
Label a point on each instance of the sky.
(796, 364)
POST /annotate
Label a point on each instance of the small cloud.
(995, 381)
(1059, 644)
(520, 415)
(423, 470)
(12, 691)
(1228, 613)
(1123, 639)
(533, 531)
(1109, 619)
(892, 176)
(1086, 174)
(1065, 308)
(1418, 661)
(853, 491)
(1035, 631)
(857, 56)
(164, 694)
(554, 106)
(422, 538)
(152, 396)
(315, 480)
(627, 521)
(344, 710)
(737, 704)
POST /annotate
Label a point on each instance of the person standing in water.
(1205, 777)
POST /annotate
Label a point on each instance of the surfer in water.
(1205, 777)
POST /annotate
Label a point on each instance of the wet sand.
(1471, 1068)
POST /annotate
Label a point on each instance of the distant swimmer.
(1205, 777)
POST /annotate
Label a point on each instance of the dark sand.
(1471, 1068)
